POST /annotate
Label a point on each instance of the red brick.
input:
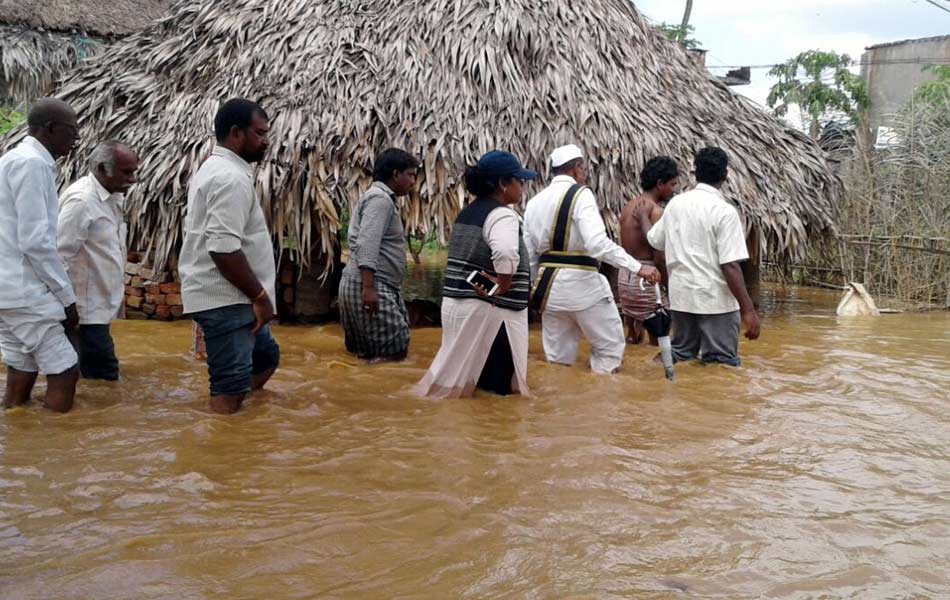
(177, 311)
(170, 288)
(133, 291)
(134, 301)
(173, 299)
(138, 282)
(148, 309)
(153, 289)
(163, 312)
(154, 298)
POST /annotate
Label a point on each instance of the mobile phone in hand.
(479, 278)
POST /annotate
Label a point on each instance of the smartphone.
(477, 278)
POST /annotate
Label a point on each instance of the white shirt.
(501, 232)
(573, 289)
(29, 264)
(223, 216)
(92, 233)
(699, 231)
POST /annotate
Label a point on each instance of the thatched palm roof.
(39, 41)
(101, 18)
(445, 79)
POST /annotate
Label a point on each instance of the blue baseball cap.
(498, 163)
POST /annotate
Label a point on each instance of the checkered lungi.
(384, 334)
(634, 302)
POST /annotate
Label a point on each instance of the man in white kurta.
(91, 241)
(580, 301)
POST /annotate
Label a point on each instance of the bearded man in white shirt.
(704, 243)
(227, 262)
(566, 240)
(37, 303)
(92, 232)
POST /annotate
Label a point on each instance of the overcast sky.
(751, 32)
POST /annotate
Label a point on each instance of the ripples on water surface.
(820, 470)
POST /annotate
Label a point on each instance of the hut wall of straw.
(444, 79)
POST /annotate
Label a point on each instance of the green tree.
(9, 119)
(936, 92)
(821, 85)
(683, 37)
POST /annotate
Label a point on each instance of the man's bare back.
(636, 218)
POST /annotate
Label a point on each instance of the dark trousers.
(499, 366)
(710, 338)
(96, 350)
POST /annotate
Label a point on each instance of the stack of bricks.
(151, 294)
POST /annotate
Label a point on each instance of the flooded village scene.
(488, 299)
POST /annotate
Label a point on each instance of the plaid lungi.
(634, 302)
(384, 334)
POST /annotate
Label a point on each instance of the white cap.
(565, 154)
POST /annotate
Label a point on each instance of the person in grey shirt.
(374, 317)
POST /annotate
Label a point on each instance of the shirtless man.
(659, 180)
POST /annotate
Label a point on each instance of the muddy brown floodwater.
(820, 470)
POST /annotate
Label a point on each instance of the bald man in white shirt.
(37, 303)
(566, 241)
(92, 243)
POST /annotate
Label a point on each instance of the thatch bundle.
(444, 79)
(39, 41)
(31, 60)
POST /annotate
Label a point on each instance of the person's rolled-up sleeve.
(501, 232)
(376, 212)
(730, 238)
(229, 207)
(657, 235)
(33, 230)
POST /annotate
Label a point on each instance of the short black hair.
(712, 165)
(658, 169)
(392, 160)
(236, 112)
(561, 169)
(480, 185)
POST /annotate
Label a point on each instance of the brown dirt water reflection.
(820, 469)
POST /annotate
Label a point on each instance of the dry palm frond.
(30, 61)
(446, 80)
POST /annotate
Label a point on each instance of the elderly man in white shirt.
(566, 240)
(92, 232)
(704, 243)
(227, 262)
(36, 298)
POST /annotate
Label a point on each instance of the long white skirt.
(469, 328)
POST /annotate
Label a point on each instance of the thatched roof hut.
(40, 40)
(444, 79)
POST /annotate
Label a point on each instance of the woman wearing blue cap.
(485, 326)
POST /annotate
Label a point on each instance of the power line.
(940, 60)
(940, 6)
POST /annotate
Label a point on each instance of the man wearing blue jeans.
(227, 259)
